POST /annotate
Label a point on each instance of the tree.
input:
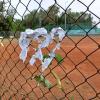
(76, 19)
(10, 18)
(2, 7)
(42, 16)
(52, 16)
(31, 20)
(3, 22)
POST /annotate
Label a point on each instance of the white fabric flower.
(29, 34)
(41, 31)
(52, 54)
(56, 47)
(23, 43)
(32, 60)
(35, 34)
(23, 35)
(23, 54)
(46, 42)
(57, 32)
(46, 63)
(29, 31)
(61, 34)
(23, 40)
(39, 55)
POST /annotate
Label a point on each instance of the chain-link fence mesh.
(79, 71)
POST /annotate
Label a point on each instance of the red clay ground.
(79, 72)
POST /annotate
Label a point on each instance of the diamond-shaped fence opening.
(75, 71)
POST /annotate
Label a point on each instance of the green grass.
(59, 58)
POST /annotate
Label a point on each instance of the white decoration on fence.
(47, 38)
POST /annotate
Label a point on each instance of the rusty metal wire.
(79, 72)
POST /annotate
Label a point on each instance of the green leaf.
(41, 80)
(45, 56)
(59, 58)
(72, 98)
(47, 84)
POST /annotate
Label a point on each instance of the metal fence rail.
(79, 71)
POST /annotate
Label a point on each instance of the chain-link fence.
(79, 71)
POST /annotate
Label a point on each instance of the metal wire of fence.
(79, 72)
